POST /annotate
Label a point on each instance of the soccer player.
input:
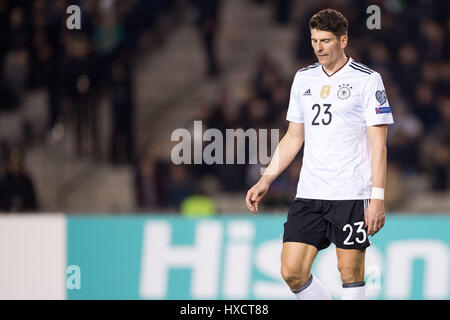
(339, 109)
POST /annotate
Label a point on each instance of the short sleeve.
(295, 111)
(377, 109)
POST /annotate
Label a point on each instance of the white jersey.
(336, 111)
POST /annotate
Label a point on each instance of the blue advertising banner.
(238, 257)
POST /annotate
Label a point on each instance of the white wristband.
(377, 193)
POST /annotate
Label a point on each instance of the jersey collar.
(343, 66)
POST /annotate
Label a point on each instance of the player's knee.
(294, 278)
(351, 273)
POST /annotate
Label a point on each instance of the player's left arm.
(375, 213)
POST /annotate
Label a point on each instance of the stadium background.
(86, 118)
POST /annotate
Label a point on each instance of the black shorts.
(320, 222)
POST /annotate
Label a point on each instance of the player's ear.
(344, 41)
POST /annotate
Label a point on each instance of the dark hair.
(329, 20)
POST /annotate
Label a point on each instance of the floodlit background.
(86, 118)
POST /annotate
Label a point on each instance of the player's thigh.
(297, 258)
(351, 263)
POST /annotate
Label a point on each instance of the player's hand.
(374, 216)
(254, 195)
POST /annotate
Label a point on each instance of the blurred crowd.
(411, 53)
(75, 68)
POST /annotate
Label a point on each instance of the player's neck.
(336, 65)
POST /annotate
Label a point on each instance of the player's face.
(327, 47)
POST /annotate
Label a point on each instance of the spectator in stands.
(440, 162)
(424, 105)
(16, 187)
(122, 103)
(433, 43)
(18, 33)
(440, 168)
(200, 203)
(145, 181)
(108, 39)
(15, 75)
(208, 24)
(79, 83)
(406, 72)
(379, 58)
(151, 177)
(16, 63)
(178, 186)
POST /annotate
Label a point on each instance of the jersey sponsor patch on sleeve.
(383, 110)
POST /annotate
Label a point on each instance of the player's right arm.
(285, 152)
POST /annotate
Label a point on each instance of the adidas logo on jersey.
(307, 92)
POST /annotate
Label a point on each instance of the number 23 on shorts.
(360, 229)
